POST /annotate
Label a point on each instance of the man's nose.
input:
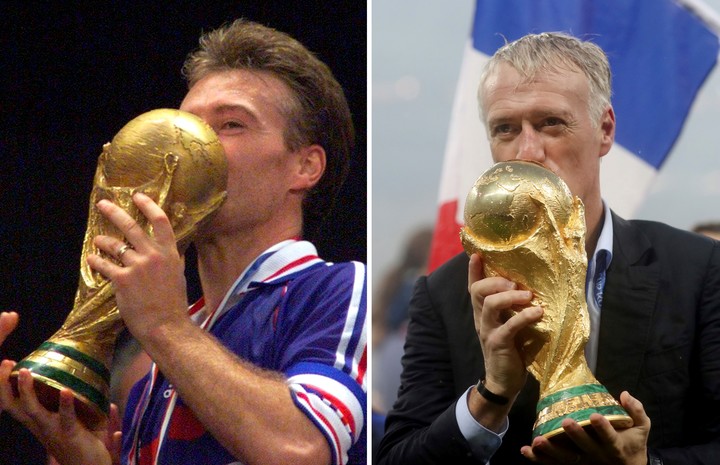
(530, 145)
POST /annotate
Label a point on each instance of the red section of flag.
(446, 238)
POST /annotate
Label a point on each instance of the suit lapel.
(628, 304)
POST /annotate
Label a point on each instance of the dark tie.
(600, 266)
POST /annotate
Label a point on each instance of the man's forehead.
(507, 74)
(244, 89)
(507, 80)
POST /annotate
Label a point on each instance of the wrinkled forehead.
(256, 89)
(506, 78)
(528, 72)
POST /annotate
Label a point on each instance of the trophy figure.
(528, 228)
(175, 158)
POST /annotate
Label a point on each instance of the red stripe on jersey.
(277, 309)
(148, 452)
(325, 422)
(362, 367)
(197, 306)
(347, 417)
(184, 425)
(291, 265)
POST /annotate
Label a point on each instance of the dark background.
(71, 75)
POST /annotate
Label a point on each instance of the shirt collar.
(276, 264)
(605, 241)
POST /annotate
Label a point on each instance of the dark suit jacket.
(659, 340)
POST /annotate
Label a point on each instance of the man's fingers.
(544, 451)
(635, 409)
(603, 429)
(114, 420)
(131, 230)
(523, 319)
(116, 446)
(34, 413)
(495, 285)
(475, 272)
(8, 322)
(67, 410)
(528, 453)
(122, 220)
(496, 306)
(158, 219)
(6, 394)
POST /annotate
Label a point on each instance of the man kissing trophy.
(524, 222)
(175, 158)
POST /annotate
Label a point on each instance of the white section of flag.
(467, 153)
(625, 180)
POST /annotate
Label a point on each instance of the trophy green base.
(57, 366)
(578, 403)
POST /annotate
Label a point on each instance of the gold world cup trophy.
(528, 228)
(175, 158)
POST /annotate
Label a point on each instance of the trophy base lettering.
(56, 366)
(578, 403)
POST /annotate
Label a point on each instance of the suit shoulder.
(669, 243)
(453, 269)
(450, 279)
(658, 231)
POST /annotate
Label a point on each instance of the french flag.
(660, 53)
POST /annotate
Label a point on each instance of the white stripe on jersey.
(166, 422)
(350, 321)
(337, 390)
(327, 419)
(360, 349)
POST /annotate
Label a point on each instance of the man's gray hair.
(552, 52)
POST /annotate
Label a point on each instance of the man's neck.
(222, 259)
(594, 218)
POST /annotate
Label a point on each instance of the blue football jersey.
(289, 312)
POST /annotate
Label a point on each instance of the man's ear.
(310, 168)
(607, 128)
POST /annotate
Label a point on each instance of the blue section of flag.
(659, 52)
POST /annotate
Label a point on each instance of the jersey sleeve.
(324, 351)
